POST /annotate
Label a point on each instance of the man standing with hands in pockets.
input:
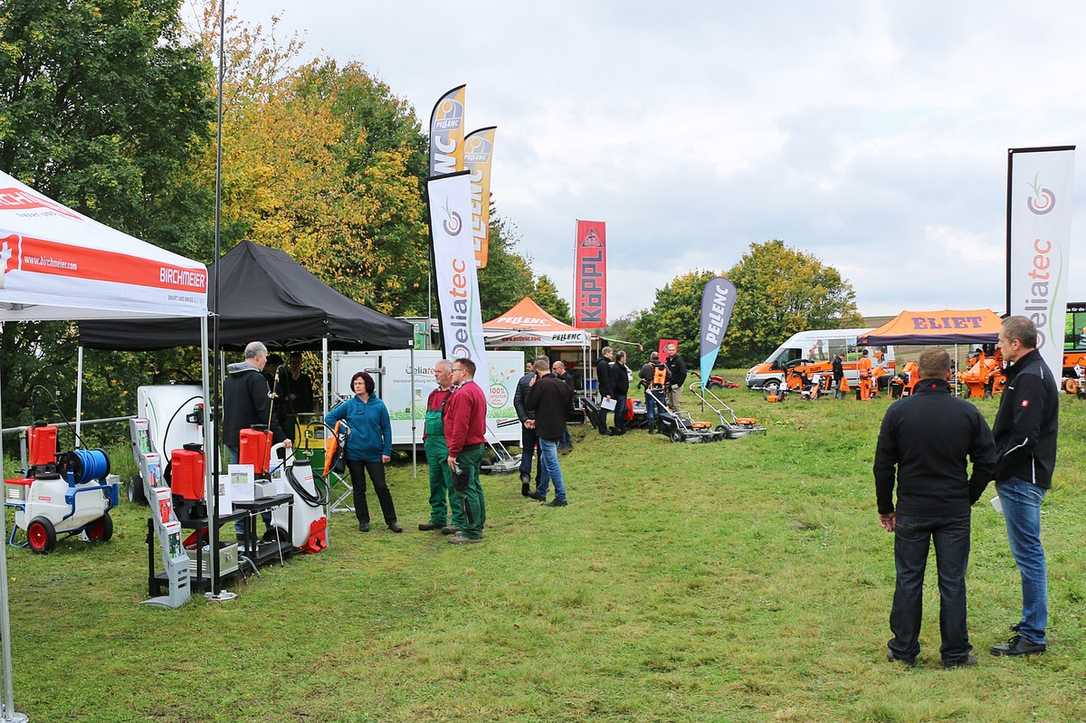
(465, 430)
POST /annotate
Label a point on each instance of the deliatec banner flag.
(717, 302)
(478, 156)
(1039, 206)
(590, 285)
(447, 133)
(449, 198)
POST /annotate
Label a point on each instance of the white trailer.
(391, 370)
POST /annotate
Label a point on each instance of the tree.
(101, 107)
(675, 314)
(507, 277)
(546, 295)
(779, 291)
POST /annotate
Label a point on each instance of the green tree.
(101, 107)
(780, 291)
(507, 277)
(546, 295)
(675, 314)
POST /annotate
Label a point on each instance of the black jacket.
(620, 379)
(603, 376)
(550, 401)
(521, 395)
(1027, 422)
(838, 369)
(677, 367)
(245, 403)
(301, 389)
(927, 437)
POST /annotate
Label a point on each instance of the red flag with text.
(590, 288)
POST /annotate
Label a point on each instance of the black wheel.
(134, 491)
(676, 436)
(41, 535)
(714, 384)
(101, 530)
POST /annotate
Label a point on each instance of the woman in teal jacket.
(369, 447)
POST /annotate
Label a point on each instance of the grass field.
(745, 580)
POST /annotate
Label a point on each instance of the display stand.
(261, 553)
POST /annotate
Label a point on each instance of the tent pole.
(324, 376)
(414, 461)
(8, 713)
(79, 394)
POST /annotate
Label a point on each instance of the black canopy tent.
(265, 295)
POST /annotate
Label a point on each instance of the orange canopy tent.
(527, 324)
(946, 326)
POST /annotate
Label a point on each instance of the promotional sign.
(590, 287)
(667, 347)
(447, 133)
(717, 301)
(449, 199)
(1074, 332)
(478, 155)
(1039, 206)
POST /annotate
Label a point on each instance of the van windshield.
(785, 355)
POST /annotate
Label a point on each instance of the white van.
(819, 345)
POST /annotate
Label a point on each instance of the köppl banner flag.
(590, 284)
(449, 198)
(447, 133)
(717, 301)
(1039, 206)
(478, 156)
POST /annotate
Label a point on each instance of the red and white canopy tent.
(527, 324)
(57, 264)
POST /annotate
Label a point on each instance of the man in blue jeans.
(549, 403)
(1025, 436)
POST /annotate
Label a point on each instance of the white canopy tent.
(57, 264)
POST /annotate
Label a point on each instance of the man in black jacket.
(927, 437)
(559, 371)
(650, 371)
(1025, 437)
(838, 375)
(550, 401)
(677, 367)
(529, 442)
(603, 382)
(620, 389)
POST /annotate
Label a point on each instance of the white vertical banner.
(1039, 206)
(454, 267)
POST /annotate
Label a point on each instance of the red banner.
(590, 288)
(667, 347)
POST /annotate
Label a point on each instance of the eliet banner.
(449, 198)
(590, 285)
(447, 133)
(717, 302)
(1039, 206)
(478, 156)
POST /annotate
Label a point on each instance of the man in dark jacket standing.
(838, 375)
(649, 374)
(529, 442)
(603, 382)
(677, 367)
(559, 370)
(550, 401)
(620, 389)
(926, 439)
(1025, 437)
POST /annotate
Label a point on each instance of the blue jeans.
(551, 470)
(650, 409)
(1021, 502)
(528, 449)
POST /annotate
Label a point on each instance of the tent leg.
(8, 713)
(79, 395)
(329, 505)
(414, 460)
(211, 472)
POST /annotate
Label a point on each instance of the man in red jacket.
(465, 427)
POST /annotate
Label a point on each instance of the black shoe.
(449, 530)
(1018, 645)
(557, 503)
(524, 487)
(616, 432)
(525, 478)
(967, 662)
(427, 526)
(537, 497)
(908, 662)
(363, 527)
(395, 527)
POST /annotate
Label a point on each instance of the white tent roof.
(527, 324)
(56, 263)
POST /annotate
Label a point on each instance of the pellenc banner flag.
(590, 284)
(447, 133)
(449, 198)
(717, 302)
(1039, 206)
(478, 156)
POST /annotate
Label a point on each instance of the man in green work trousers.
(465, 427)
(437, 453)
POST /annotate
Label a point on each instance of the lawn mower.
(716, 381)
(679, 426)
(62, 493)
(733, 427)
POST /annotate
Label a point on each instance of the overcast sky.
(873, 135)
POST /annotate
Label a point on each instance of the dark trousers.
(911, 539)
(376, 472)
(529, 447)
(620, 413)
(601, 418)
